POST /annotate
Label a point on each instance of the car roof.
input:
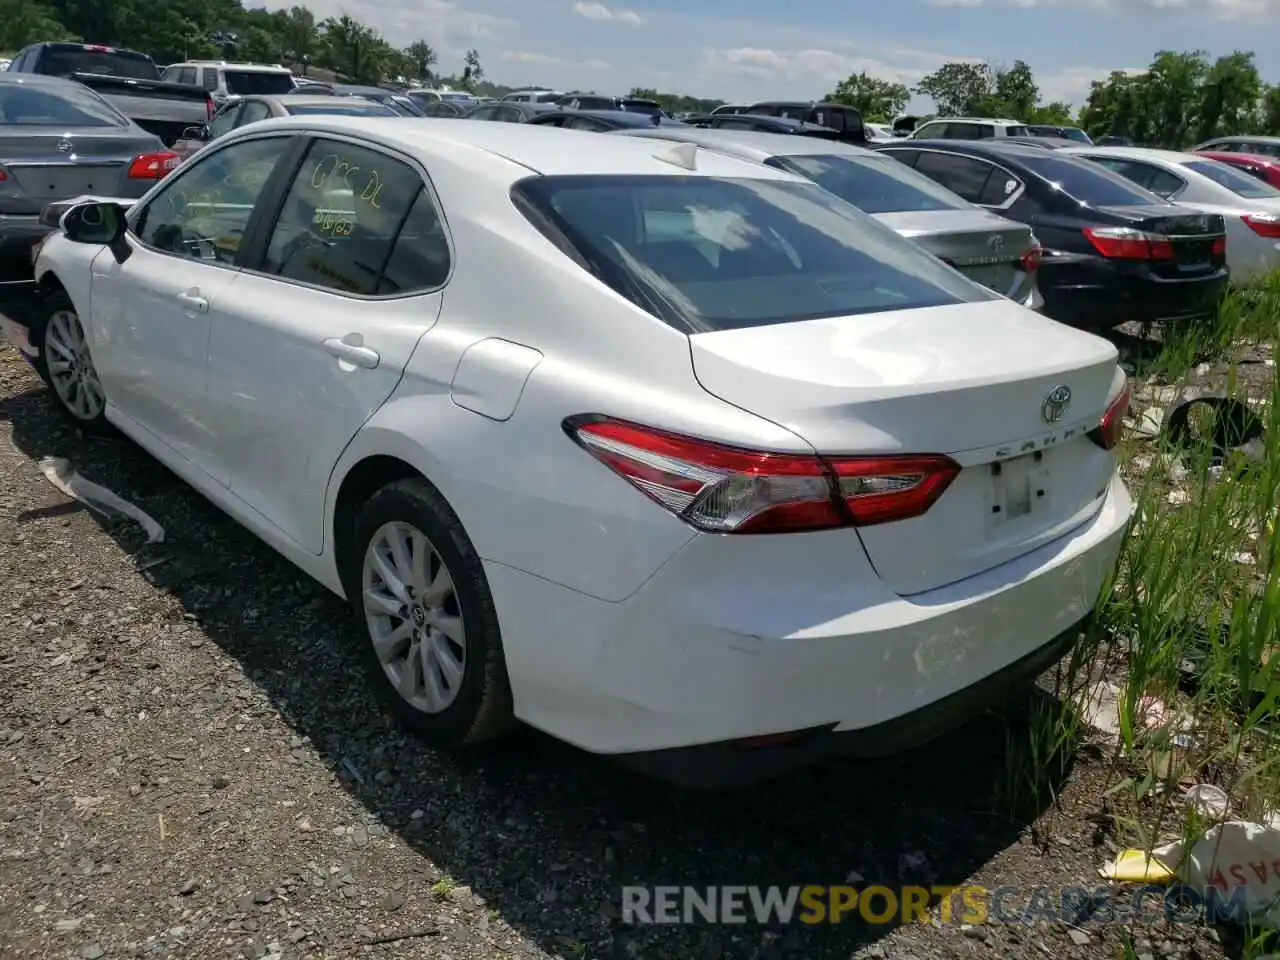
(1135, 153)
(364, 87)
(751, 144)
(538, 148)
(300, 99)
(1004, 122)
(992, 148)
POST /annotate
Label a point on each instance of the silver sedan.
(238, 111)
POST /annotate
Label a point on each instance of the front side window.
(932, 131)
(225, 121)
(209, 78)
(873, 185)
(710, 254)
(26, 105)
(1237, 181)
(341, 217)
(253, 111)
(187, 75)
(202, 211)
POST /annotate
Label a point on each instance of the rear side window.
(209, 79)
(873, 185)
(1237, 181)
(710, 254)
(1087, 182)
(961, 175)
(187, 75)
(338, 107)
(1158, 181)
(1017, 132)
(341, 219)
(261, 82)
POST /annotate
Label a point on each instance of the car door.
(152, 314)
(344, 279)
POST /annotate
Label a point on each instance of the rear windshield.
(338, 107)
(405, 106)
(873, 185)
(63, 61)
(547, 98)
(709, 254)
(260, 82)
(1087, 182)
(22, 105)
(1239, 183)
(1075, 133)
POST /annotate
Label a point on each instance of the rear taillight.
(723, 489)
(1030, 261)
(209, 109)
(1219, 247)
(3, 176)
(1125, 243)
(153, 166)
(96, 48)
(1264, 225)
(1107, 434)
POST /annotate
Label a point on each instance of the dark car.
(761, 124)
(399, 102)
(1266, 169)
(1045, 143)
(1061, 133)
(642, 105)
(1113, 251)
(587, 101)
(845, 120)
(601, 121)
(239, 111)
(510, 111)
(1111, 140)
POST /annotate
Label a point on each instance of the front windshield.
(1239, 183)
(706, 253)
(25, 105)
(873, 184)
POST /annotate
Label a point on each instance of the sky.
(750, 50)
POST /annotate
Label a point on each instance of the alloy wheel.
(71, 371)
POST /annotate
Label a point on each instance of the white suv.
(969, 128)
(223, 79)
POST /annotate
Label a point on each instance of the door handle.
(353, 353)
(193, 301)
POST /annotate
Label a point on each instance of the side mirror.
(99, 223)
(200, 133)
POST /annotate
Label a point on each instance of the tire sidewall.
(456, 724)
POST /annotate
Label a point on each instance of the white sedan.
(1250, 207)
(672, 455)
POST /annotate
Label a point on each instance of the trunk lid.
(57, 164)
(970, 381)
(984, 247)
(1191, 233)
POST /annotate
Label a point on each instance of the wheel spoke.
(418, 575)
(440, 588)
(379, 603)
(434, 690)
(391, 646)
(55, 345)
(450, 626)
(387, 573)
(409, 681)
(449, 663)
(396, 541)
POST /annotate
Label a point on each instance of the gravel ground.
(191, 765)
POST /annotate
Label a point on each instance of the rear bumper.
(1093, 293)
(733, 639)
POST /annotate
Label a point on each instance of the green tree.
(420, 58)
(958, 88)
(1014, 92)
(472, 71)
(879, 101)
(1230, 97)
(24, 21)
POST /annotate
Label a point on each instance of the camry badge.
(64, 145)
(1056, 403)
(996, 243)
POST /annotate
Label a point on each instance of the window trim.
(1009, 201)
(258, 240)
(290, 160)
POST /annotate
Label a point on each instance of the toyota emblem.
(996, 243)
(64, 145)
(1056, 403)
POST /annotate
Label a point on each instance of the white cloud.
(1217, 9)
(1071, 84)
(441, 23)
(821, 67)
(598, 11)
(543, 60)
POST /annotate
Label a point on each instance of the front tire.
(432, 643)
(65, 363)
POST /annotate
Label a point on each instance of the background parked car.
(587, 101)
(401, 103)
(761, 124)
(224, 80)
(1113, 251)
(128, 79)
(602, 121)
(511, 111)
(992, 250)
(969, 128)
(1111, 140)
(845, 120)
(1249, 207)
(62, 140)
(1045, 143)
(1268, 146)
(730, 108)
(1265, 168)
(533, 96)
(239, 111)
(1061, 133)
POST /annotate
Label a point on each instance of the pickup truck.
(130, 80)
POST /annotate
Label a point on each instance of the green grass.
(1191, 616)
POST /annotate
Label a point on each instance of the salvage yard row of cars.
(783, 453)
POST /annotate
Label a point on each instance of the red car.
(1263, 167)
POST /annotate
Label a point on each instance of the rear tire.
(64, 362)
(432, 644)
